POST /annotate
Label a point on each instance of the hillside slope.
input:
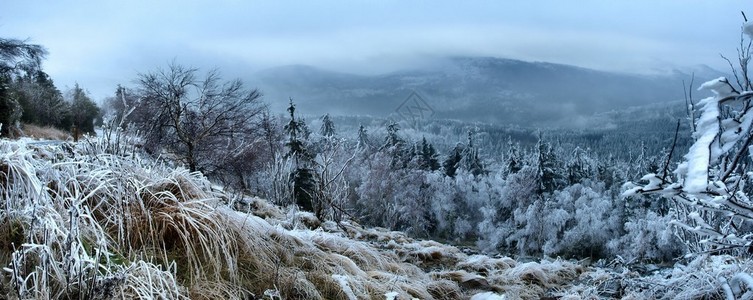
(82, 224)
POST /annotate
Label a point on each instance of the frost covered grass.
(80, 223)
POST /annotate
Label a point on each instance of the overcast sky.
(102, 43)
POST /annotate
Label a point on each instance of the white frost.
(488, 296)
(345, 285)
(391, 296)
(698, 158)
(719, 86)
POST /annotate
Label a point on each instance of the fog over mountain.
(497, 90)
(387, 149)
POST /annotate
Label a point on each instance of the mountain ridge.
(487, 89)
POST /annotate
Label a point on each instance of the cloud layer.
(103, 44)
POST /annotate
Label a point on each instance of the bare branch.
(671, 151)
(734, 71)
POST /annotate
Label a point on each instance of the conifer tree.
(452, 162)
(549, 177)
(302, 178)
(14, 53)
(578, 168)
(41, 102)
(83, 110)
(328, 127)
(428, 156)
(394, 145)
(363, 138)
(393, 139)
(514, 160)
(471, 160)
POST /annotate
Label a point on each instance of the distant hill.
(496, 90)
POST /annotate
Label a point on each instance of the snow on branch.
(711, 177)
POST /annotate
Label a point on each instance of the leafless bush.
(209, 124)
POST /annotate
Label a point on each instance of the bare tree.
(205, 122)
(332, 188)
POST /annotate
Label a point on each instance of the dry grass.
(45, 133)
(100, 226)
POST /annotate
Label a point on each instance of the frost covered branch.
(711, 178)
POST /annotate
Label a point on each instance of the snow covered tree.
(650, 239)
(550, 177)
(363, 138)
(378, 192)
(392, 139)
(514, 161)
(332, 190)
(14, 55)
(708, 185)
(396, 147)
(271, 133)
(42, 103)
(452, 162)
(427, 156)
(645, 162)
(122, 105)
(578, 167)
(529, 239)
(471, 160)
(328, 127)
(519, 193)
(608, 173)
(580, 222)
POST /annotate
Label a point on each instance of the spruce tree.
(549, 176)
(452, 162)
(41, 102)
(83, 110)
(514, 160)
(303, 177)
(328, 127)
(578, 167)
(394, 145)
(428, 156)
(471, 160)
(363, 138)
(393, 139)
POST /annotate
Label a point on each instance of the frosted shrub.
(443, 204)
(649, 239)
(585, 219)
